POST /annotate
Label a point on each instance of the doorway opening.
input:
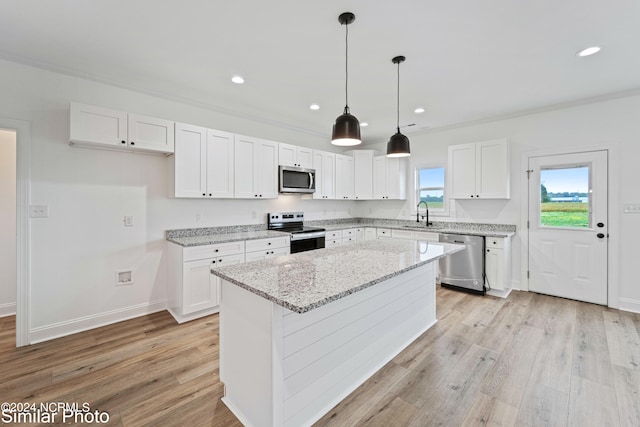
(8, 222)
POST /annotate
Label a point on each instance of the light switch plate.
(39, 211)
(128, 221)
(632, 208)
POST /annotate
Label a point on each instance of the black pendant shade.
(346, 129)
(398, 145)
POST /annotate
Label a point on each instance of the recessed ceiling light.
(237, 80)
(314, 106)
(419, 110)
(588, 51)
(364, 124)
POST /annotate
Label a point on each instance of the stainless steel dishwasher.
(463, 270)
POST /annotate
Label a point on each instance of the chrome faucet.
(418, 213)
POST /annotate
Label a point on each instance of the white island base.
(281, 368)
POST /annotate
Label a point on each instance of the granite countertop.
(486, 230)
(210, 239)
(308, 280)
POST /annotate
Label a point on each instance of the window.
(430, 187)
(564, 197)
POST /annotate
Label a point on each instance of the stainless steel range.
(302, 238)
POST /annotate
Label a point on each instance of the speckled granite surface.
(489, 230)
(308, 280)
(212, 235)
(210, 239)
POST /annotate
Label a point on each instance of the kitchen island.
(298, 333)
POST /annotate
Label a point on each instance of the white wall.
(77, 250)
(7, 222)
(613, 123)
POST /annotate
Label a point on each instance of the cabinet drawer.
(264, 244)
(351, 232)
(266, 253)
(332, 242)
(383, 232)
(227, 260)
(349, 239)
(335, 234)
(212, 251)
(494, 242)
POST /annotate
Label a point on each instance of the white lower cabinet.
(370, 233)
(383, 232)
(193, 291)
(266, 248)
(498, 265)
(415, 235)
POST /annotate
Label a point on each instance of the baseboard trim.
(8, 309)
(627, 304)
(69, 327)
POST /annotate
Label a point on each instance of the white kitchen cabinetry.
(266, 248)
(352, 235)
(383, 232)
(370, 233)
(498, 265)
(202, 165)
(192, 290)
(332, 238)
(255, 168)
(479, 170)
(293, 155)
(325, 165)
(414, 235)
(363, 174)
(344, 177)
(99, 127)
(389, 178)
(427, 235)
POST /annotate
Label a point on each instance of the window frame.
(416, 188)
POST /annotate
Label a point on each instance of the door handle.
(600, 235)
(600, 225)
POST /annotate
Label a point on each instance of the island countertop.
(307, 280)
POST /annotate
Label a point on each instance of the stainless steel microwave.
(297, 180)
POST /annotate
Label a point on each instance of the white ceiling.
(467, 60)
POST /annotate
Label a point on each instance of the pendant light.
(398, 145)
(346, 129)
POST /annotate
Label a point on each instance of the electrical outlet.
(632, 208)
(124, 277)
(128, 221)
(39, 211)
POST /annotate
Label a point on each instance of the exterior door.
(568, 225)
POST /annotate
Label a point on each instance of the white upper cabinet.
(293, 155)
(389, 178)
(325, 165)
(256, 165)
(111, 129)
(344, 177)
(480, 170)
(220, 165)
(202, 165)
(150, 133)
(189, 165)
(363, 174)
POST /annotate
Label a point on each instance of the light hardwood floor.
(529, 360)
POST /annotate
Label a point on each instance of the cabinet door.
(220, 167)
(396, 178)
(379, 177)
(151, 134)
(494, 267)
(266, 175)
(199, 287)
(222, 262)
(403, 234)
(287, 154)
(340, 177)
(370, 234)
(318, 162)
(190, 161)
(492, 169)
(97, 125)
(363, 174)
(462, 169)
(304, 157)
(328, 175)
(244, 167)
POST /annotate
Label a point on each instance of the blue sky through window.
(570, 180)
(433, 177)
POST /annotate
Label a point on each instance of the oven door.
(302, 242)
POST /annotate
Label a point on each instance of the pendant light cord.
(346, 69)
(398, 101)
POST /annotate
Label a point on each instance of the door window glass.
(565, 197)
